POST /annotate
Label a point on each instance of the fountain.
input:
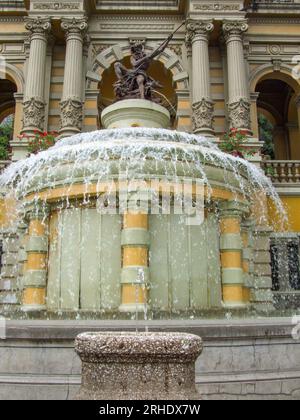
(104, 232)
(94, 243)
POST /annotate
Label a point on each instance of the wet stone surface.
(142, 366)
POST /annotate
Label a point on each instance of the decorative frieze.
(217, 7)
(56, 6)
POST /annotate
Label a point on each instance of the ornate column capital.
(195, 28)
(77, 26)
(234, 28)
(38, 25)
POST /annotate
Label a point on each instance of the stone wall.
(250, 359)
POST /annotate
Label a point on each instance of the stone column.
(135, 271)
(71, 103)
(239, 101)
(203, 107)
(34, 101)
(35, 275)
(231, 247)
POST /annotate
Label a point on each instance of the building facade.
(234, 63)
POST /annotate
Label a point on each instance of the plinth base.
(135, 113)
(141, 366)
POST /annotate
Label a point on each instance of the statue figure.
(135, 82)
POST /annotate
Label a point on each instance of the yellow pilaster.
(135, 262)
(232, 255)
(35, 267)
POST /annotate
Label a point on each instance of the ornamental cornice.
(274, 20)
(139, 18)
(217, 7)
(12, 19)
(60, 5)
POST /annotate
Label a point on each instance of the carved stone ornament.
(33, 113)
(239, 114)
(38, 25)
(235, 27)
(71, 113)
(74, 25)
(203, 115)
(197, 27)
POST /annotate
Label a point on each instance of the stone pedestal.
(141, 366)
(135, 113)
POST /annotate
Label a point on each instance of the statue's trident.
(170, 37)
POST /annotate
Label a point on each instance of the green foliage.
(266, 130)
(6, 134)
(235, 143)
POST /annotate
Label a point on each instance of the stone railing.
(283, 171)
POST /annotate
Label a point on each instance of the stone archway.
(13, 74)
(14, 104)
(277, 92)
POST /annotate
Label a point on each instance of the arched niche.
(166, 68)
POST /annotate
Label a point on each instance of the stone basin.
(138, 366)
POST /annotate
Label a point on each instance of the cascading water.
(90, 159)
(129, 149)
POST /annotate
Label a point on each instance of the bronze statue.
(136, 83)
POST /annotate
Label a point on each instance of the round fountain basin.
(141, 366)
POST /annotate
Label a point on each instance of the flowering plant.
(234, 143)
(40, 141)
